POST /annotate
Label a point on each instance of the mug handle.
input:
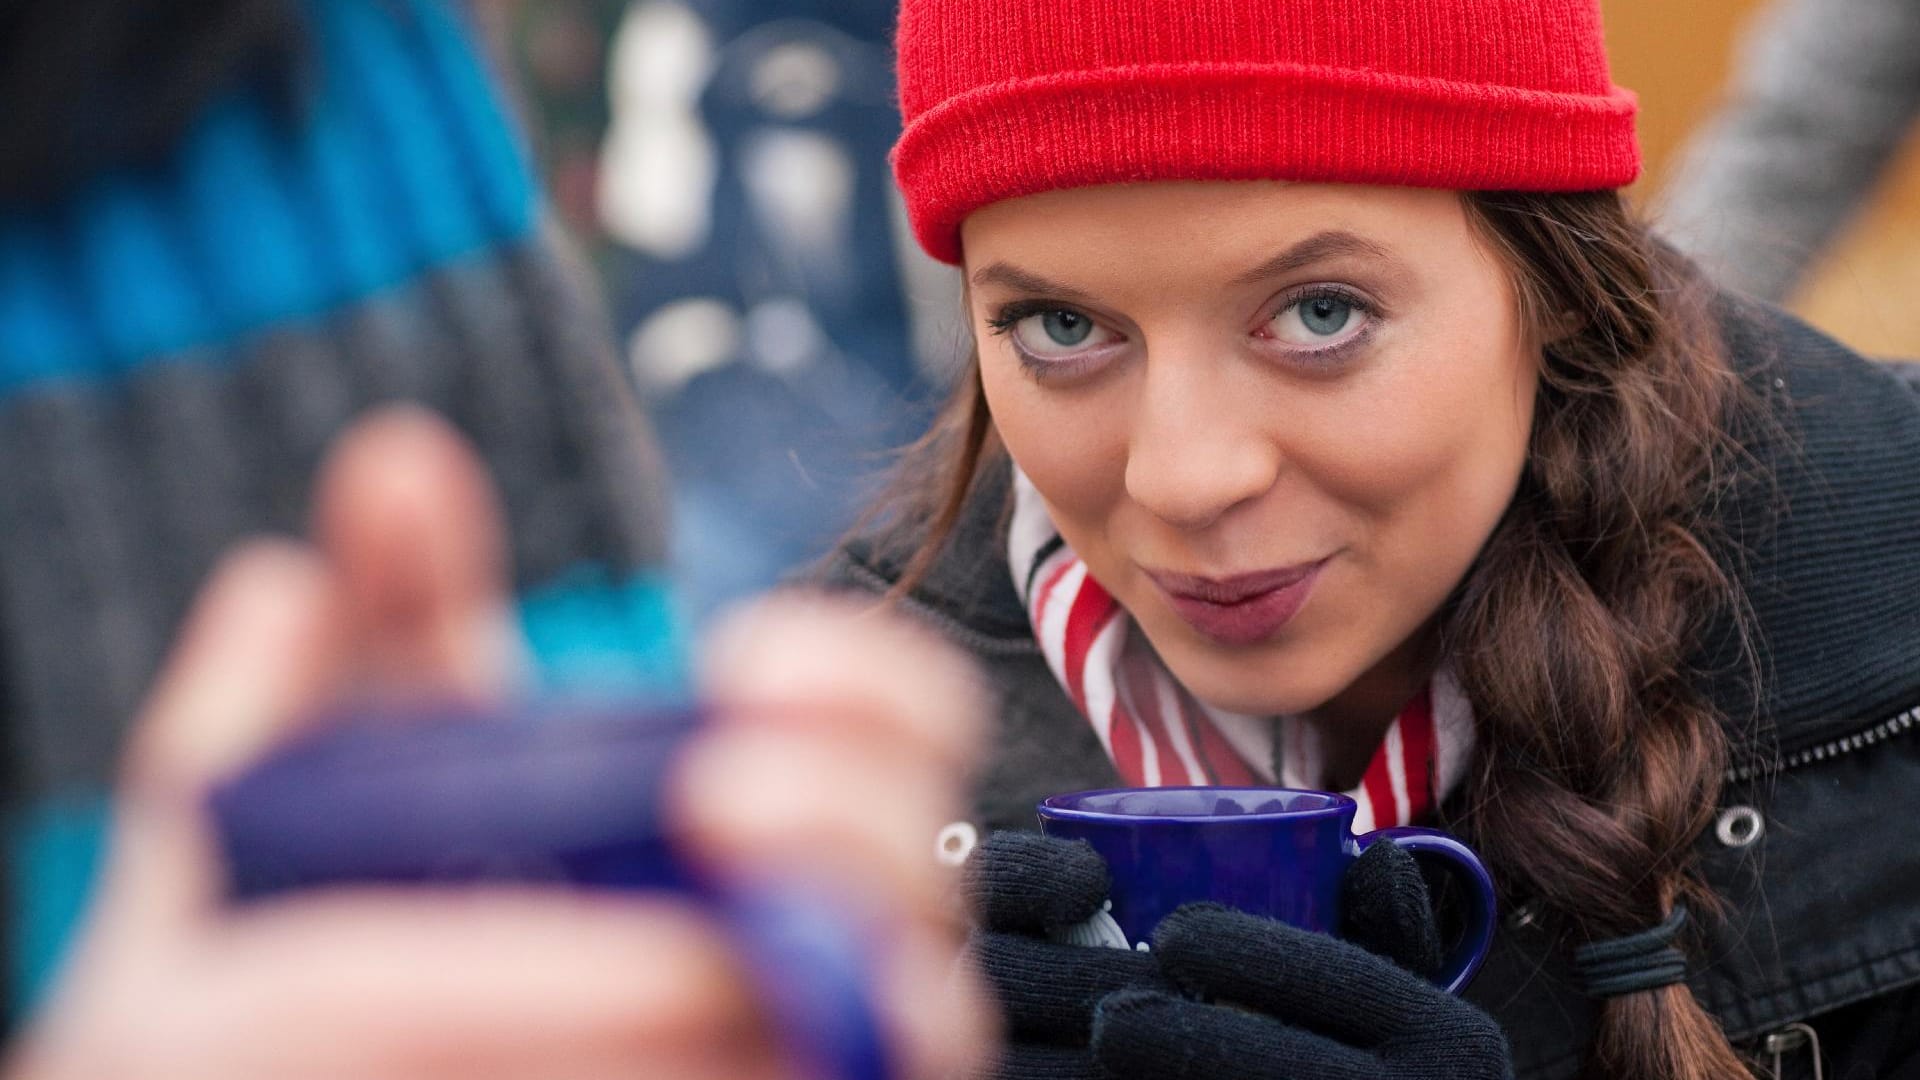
(1460, 863)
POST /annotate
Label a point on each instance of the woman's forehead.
(1232, 231)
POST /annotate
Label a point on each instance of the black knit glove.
(1024, 886)
(1257, 999)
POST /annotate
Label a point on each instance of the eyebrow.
(1018, 280)
(1319, 247)
(1333, 244)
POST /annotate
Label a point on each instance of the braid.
(97, 84)
(1602, 761)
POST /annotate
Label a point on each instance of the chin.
(1243, 684)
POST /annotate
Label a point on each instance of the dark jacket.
(1814, 849)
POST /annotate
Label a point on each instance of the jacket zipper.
(1881, 732)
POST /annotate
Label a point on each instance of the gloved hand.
(1256, 999)
(1024, 886)
(1325, 1008)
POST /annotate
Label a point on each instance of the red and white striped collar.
(1157, 733)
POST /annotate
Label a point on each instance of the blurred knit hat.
(1003, 98)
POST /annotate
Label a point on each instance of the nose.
(1197, 449)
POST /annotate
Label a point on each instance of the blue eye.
(1325, 315)
(1053, 334)
(1066, 328)
(1320, 320)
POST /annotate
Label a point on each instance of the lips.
(1245, 609)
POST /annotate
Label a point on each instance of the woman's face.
(1278, 421)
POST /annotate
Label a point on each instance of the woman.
(1331, 421)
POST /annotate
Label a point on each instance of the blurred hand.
(851, 733)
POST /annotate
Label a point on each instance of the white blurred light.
(657, 166)
(783, 337)
(800, 185)
(682, 340)
(795, 80)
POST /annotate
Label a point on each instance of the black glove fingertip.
(1048, 990)
(1196, 941)
(1122, 1015)
(1190, 922)
(1141, 1035)
(1388, 910)
(1040, 1061)
(1028, 883)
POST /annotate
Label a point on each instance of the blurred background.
(1863, 287)
(724, 160)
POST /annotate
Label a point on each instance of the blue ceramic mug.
(1277, 852)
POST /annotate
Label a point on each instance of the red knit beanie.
(1003, 98)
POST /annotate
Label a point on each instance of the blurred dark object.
(553, 794)
(92, 85)
(444, 794)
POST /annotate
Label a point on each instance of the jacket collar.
(1823, 536)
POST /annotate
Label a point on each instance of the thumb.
(259, 648)
(406, 514)
(1388, 910)
(406, 593)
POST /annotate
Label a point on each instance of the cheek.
(1431, 466)
(1070, 444)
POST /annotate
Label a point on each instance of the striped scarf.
(1157, 733)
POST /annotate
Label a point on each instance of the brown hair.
(1600, 761)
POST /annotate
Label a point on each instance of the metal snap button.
(955, 843)
(1739, 826)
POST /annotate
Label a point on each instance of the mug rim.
(1337, 805)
